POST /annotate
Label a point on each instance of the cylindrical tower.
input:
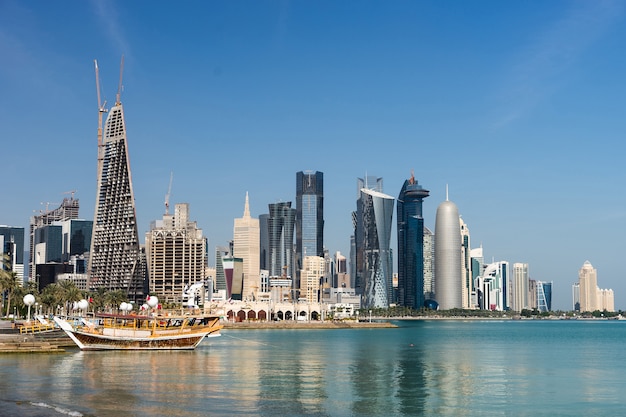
(448, 279)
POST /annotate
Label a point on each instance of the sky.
(517, 107)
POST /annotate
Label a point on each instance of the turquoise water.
(430, 368)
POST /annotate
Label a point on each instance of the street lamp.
(29, 300)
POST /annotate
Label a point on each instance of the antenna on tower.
(119, 87)
(446, 192)
(167, 196)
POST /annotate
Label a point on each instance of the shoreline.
(328, 324)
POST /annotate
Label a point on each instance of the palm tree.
(114, 298)
(70, 293)
(52, 296)
(10, 283)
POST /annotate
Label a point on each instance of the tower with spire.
(246, 245)
(448, 275)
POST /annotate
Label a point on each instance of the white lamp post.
(29, 300)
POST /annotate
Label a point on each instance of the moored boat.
(141, 332)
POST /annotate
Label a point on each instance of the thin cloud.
(109, 19)
(541, 66)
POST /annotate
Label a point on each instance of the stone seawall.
(329, 324)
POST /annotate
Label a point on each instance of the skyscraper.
(12, 245)
(520, 286)
(588, 280)
(448, 277)
(429, 266)
(116, 261)
(492, 287)
(410, 229)
(176, 252)
(309, 216)
(544, 296)
(467, 290)
(280, 224)
(356, 240)
(374, 259)
(246, 245)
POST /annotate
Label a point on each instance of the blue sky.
(518, 106)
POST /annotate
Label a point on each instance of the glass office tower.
(410, 229)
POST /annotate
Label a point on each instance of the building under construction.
(116, 260)
(68, 210)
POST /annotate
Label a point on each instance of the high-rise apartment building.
(520, 286)
(246, 245)
(12, 245)
(176, 253)
(311, 276)
(592, 298)
(448, 276)
(410, 230)
(374, 261)
(116, 260)
(588, 281)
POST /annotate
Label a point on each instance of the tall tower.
(588, 281)
(357, 274)
(246, 245)
(520, 286)
(448, 278)
(374, 259)
(280, 223)
(467, 289)
(429, 266)
(309, 216)
(410, 227)
(116, 261)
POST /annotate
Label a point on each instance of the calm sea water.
(430, 368)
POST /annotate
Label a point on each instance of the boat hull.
(91, 340)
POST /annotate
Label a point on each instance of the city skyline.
(516, 107)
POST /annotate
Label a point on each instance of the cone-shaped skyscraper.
(116, 261)
(448, 278)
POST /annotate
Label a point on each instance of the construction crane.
(119, 87)
(167, 196)
(101, 110)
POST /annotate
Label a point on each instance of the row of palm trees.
(55, 298)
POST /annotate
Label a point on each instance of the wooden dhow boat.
(141, 332)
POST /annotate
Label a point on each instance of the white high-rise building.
(588, 287)
(310, 275)
(520, 286)
(246, 245)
